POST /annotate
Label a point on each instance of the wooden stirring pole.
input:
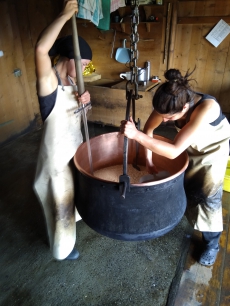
(80, 84)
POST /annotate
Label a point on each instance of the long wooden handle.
(80, 84)
(77, 57)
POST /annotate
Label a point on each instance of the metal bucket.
(149, 210)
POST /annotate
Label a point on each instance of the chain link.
(134, 54)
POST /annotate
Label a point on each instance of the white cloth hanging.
(115, 4)
(90, 10)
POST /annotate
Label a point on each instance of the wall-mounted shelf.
(146, 12)
(202, 19)
(81, 20)
(147, 23)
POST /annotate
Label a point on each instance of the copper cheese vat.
(148, 210)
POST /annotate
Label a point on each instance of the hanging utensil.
(123, 54)
(80, 84)
(113, 43)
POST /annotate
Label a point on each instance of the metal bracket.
(86, 107)
(124, 181)
(17, 72)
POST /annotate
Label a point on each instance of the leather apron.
(54, 180)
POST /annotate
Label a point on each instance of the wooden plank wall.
(22, 21)
(16, 110)
(149, 45)
(20, 24)
(193, 50)
(107, 105)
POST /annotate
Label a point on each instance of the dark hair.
(64, 47)
(172, 95)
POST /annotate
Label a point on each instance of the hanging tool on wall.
(80, 84)
(131, 94)
(114, 37)
(167, 35)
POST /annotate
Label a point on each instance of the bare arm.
(46, 79)
(202, 115)
(151, 124)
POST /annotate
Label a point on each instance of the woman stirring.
(58, 99)
(204, 132)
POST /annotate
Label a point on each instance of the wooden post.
(167, 34)
(172, 37)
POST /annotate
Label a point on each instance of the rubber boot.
(73, 255)
(211, 248)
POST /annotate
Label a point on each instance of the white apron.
(208, 157)
(54, 180)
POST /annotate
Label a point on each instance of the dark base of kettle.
(136, 237)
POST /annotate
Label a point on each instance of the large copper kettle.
(147, 211)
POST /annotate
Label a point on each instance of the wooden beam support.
(172, 36)
(202, 19)
(167, 34)
(191, 0)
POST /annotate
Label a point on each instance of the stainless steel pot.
(142, 75)
(148, 210)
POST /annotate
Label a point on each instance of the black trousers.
(211, 239)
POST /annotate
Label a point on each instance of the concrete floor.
(108, 272)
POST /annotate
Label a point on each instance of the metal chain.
(130, 97)
(134, 54)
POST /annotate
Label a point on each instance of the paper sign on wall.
(218, 33)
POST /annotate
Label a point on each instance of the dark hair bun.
(173, 75)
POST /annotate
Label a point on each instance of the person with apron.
(59, 101)
(204, 132)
